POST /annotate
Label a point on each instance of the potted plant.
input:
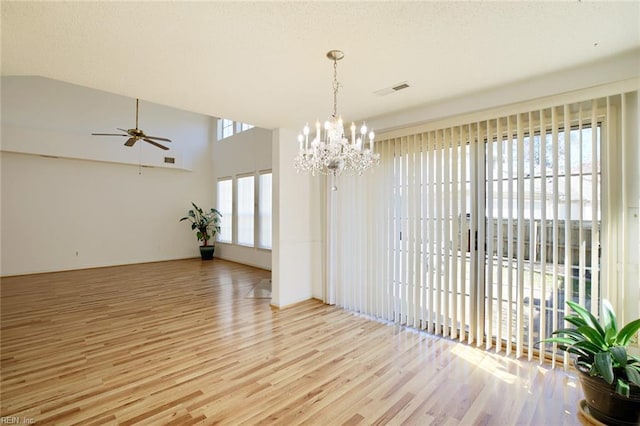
(609, 374)
(207, 226)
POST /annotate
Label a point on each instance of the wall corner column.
(297, 253)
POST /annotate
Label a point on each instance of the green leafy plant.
(206, 224)
(601, 348)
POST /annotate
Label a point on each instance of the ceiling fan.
(137, 134)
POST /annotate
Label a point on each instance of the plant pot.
(608, 406)
(206, 252)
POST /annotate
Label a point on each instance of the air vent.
(400, 86)
(395, 88)
(169, 160)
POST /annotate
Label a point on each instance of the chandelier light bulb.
(305, 130)
(363, 129)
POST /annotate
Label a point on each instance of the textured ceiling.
(264, 62)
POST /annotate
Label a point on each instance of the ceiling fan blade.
(157, 138)
(130, 142)
(155, 143)
(124, 130)
(107, 134)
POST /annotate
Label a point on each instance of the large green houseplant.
(207, 226)
(609, 374)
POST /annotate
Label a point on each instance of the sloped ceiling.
(264, 62)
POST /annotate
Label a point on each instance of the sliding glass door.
(543, 216)
(479, 232)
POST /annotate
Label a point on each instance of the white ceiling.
(264, 62)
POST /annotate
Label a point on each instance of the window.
(225, 206)
(246, 196)
(543, 188)
(244, 126)
(264, 210)
(246, 212)
(227, 127)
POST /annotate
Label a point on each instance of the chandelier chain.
(336, 85)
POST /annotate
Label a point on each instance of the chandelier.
(329, 151)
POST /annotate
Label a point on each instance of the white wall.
(94, 205)
(244, 153)
(298, 253)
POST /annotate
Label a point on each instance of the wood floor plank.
(180, 343)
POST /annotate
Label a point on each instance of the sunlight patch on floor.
(262, 290)
(485, 361)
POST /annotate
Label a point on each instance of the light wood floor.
(180, 343)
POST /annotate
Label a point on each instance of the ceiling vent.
(395, 88)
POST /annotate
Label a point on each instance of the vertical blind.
(480, 231)
(246, 209)
(225, 206)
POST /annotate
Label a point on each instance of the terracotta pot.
(608, 406)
